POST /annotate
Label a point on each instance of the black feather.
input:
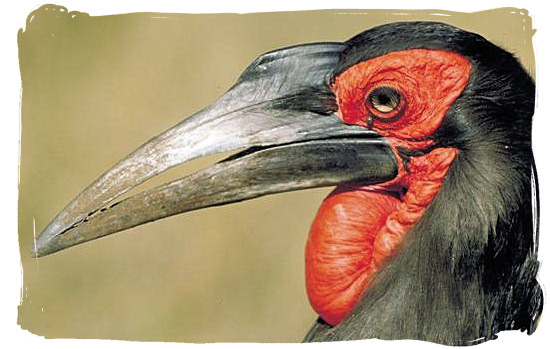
(467, 270)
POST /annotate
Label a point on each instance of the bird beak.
(280, 119)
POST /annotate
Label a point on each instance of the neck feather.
(466, 270)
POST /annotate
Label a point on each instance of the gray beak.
(278, 117)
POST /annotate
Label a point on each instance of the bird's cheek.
(352, 111)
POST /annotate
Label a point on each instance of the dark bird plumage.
(468, 269)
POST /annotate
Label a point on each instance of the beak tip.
(43, 244)
(35, 254)
(37, 248)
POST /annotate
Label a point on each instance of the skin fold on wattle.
(357, 228)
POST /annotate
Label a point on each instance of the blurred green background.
(95, 88)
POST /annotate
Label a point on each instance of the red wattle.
(357, 228)
(339, 250)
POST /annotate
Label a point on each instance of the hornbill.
(424, 129)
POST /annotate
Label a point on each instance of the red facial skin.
(357, 228)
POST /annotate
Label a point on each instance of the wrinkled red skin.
(357, 228)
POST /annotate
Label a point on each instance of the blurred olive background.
(95, 88)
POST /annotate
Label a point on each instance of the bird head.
(423, 128)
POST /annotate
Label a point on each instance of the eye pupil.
(384, 99)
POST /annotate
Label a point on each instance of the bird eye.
(384, 99)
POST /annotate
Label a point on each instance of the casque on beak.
(280, 114)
